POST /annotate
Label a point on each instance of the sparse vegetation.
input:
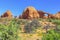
(53, 34)
(9, 32)
(11, 29)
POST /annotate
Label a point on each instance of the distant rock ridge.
(31, 13)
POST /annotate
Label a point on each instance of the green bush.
(55, 21)
(57, 28)
(51, 35)
(9, 32)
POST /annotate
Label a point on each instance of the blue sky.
(17, 6)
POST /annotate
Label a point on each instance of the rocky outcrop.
(29, 13)
(7, 14)
(45, 17)
(41, 14)
(51, 16)
(57, 15)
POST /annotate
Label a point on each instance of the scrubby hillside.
(24, 29)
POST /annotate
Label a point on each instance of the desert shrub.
(57, 28)
(14, 20)
(9, 32)
(55, 21)
(29, 27)
(51, 35)
(22, 21)
(50, 20)
(40, 19)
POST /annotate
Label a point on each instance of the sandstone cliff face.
(7, 14)
(30, 13)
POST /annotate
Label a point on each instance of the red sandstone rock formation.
(29, 13)
(32, 13)
(45, 17)
(7, 14)
(57, 15)
(50, 16)
(54, 16)
(41, 14)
